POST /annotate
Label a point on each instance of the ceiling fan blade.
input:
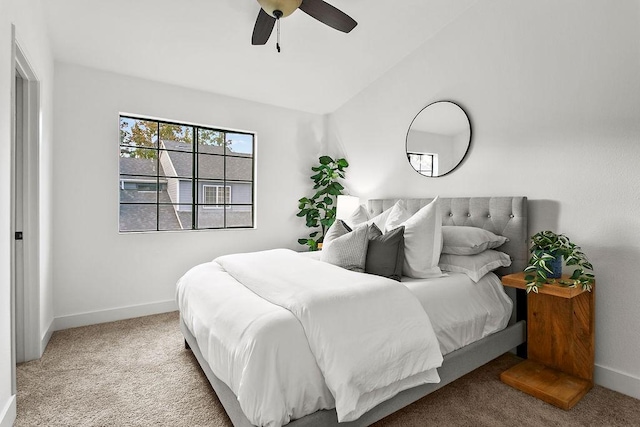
(328, 14)
(263, 28)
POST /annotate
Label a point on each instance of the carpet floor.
(137, 373)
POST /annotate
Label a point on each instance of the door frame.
(28, 313)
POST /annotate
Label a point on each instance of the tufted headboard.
(505, 216)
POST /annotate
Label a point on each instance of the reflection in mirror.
(438, 139)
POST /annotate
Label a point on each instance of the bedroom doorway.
(18, 244)
(25, 131)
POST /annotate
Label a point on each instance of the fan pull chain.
(278, 42)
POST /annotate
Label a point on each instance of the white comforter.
(315, 331)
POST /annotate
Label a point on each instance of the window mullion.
(224, 178)
(194, 182)
(158, 175)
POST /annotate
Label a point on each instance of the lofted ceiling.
(206, 45)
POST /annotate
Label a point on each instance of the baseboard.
(114, 314)
(8, 414)
(618, 381)
(46, 337)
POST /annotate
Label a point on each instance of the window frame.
(434, 162)
(217, 204)
(196, 203)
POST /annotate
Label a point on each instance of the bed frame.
(505, 216)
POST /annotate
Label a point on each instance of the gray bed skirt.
(455, 365)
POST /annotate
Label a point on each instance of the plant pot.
(556, 267)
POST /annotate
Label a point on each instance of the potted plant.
(319, 210)
(548, 250)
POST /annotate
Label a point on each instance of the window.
(424, 163)
(175, 176)
(216, 195)
(151, 186)
(210, 194)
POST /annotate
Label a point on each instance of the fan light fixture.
(286, 7)
(272, 10)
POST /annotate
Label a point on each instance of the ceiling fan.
(272, 10)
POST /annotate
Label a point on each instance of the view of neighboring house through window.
(216, 195)
(424, 163)
(176, 176)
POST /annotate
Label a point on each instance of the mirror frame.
(464, 156)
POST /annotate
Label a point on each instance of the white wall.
(553, 94)
(96, 268)
(29, 23)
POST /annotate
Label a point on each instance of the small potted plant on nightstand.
(548, 250)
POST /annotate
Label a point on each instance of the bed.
(505, 216)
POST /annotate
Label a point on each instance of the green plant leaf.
(542, 264)
(325, 160)
(548, 256)
(342, 163)
(541, 275)
(576, 274)
(326, 222)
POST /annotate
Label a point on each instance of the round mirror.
(438, 139)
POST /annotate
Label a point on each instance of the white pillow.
(461, 240)
(475, 266)
(349, 250)
(358, 216)
(397, 216)
(422, 240)
(381, 220)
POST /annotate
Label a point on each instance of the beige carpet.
(137, 373)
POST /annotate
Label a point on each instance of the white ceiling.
(206, 45)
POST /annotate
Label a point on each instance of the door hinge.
(18, 235)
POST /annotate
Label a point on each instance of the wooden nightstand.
(560, 344)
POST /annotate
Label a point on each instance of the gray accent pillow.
(463, 240)
(385, 254)
(337, 229)
(348, 250)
